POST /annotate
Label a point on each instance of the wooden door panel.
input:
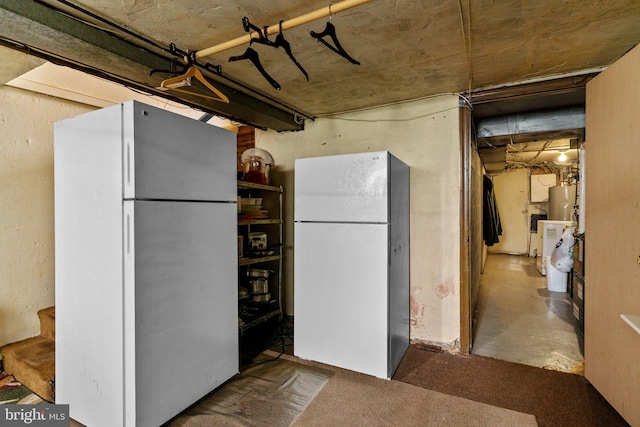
(612, 224)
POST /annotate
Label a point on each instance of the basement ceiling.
(407, 49)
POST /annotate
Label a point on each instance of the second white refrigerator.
(351, 272)
(146, 277)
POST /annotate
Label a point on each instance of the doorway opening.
(519, 135)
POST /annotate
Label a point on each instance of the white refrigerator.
(145, 257)
(351, 263)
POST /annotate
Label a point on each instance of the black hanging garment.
(491, 226)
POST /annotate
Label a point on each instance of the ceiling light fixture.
(562, 157)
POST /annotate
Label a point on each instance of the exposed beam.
(562, 85)
(40, 30)
(495, 168)
(493, 155)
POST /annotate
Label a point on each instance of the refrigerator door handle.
(128, 155)
(128, 237)
(129, 162)
(128, 229)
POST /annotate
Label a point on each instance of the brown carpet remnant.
(555, 398)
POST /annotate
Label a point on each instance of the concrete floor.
(519, 320)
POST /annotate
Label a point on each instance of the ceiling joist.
(43, 31)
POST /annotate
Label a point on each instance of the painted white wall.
(512, 194)
(26, 197)
(425, 135)
(511, 190)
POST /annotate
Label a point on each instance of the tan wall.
(26, 197)
(512, 197)
(612, 233)
(425, 135)
(512, 193)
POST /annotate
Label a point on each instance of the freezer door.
(344, 188)
(181, 320)
(341, 296)
(168, 156)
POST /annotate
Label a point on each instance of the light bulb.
(562, 156)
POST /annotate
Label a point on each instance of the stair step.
(48, 322)
(32, 362)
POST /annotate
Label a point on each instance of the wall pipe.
(274, 29)
(582, 153)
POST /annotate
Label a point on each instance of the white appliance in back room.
(146, 276)
(351, 272)
(549, 232)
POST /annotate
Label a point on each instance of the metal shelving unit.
(251, 312)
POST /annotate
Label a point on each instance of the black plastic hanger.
(283, 43)
(330, 31)
(253, 56)
(262, 33)
(280, 41)
(191, 61)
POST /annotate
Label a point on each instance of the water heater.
(561, 203)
